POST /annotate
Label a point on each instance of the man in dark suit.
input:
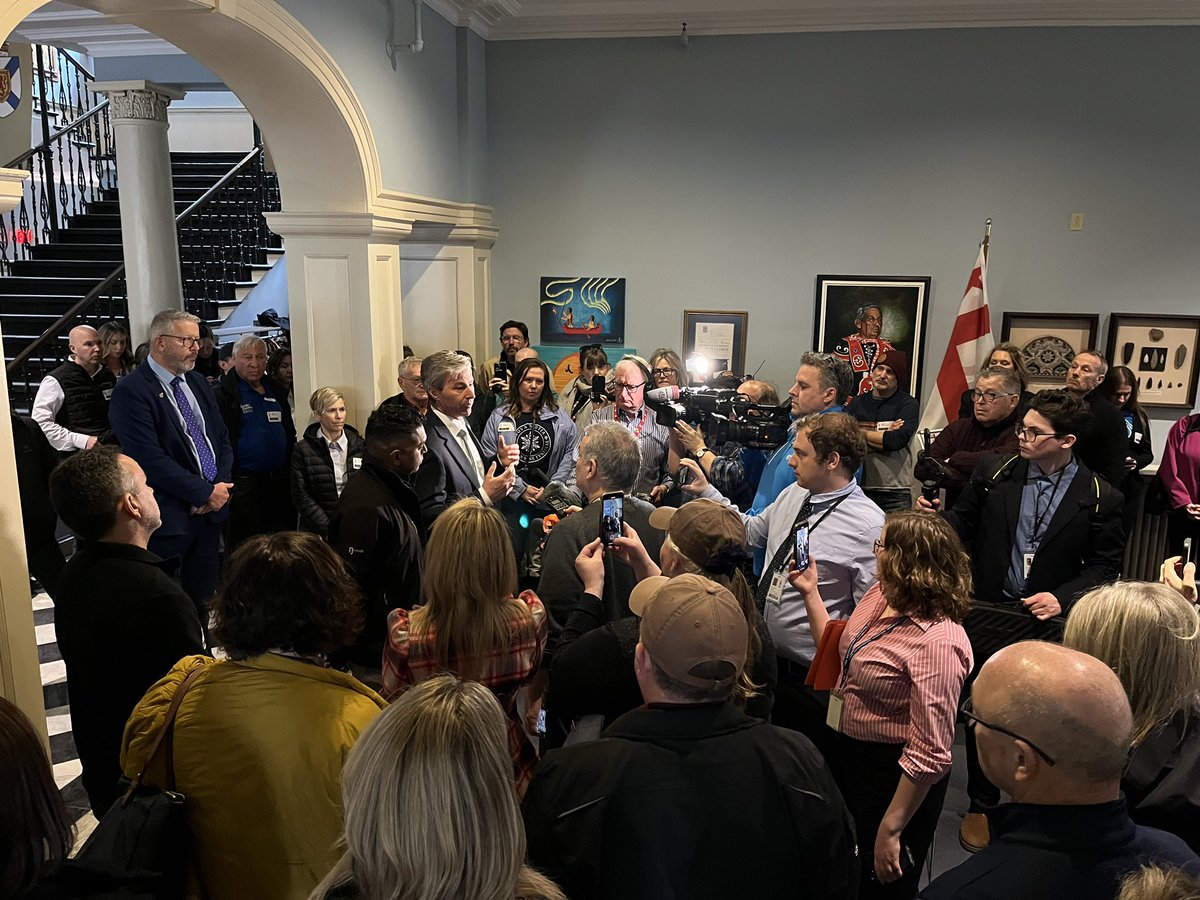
(455, 465)
(1042, 529)
(121, 619)
(1103, 443)
(165, 417)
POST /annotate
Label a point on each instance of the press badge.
(107, 392)
(884, 426)
(775, 591)
(356, 463)
(274, 415)
(833, 718)
(1028, 557)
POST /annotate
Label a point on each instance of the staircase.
(88, 250)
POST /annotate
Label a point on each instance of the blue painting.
(582, 310)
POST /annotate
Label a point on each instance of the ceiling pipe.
(418, 42)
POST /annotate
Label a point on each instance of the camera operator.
(735, 469)
(965, 442)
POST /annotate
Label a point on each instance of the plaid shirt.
(409, 658)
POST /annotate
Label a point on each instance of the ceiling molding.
(481, 16)
(91, 32)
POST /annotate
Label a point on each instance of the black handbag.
(142, 840)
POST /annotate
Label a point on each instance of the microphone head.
(663, 395)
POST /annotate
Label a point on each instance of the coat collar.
(1091, 827)
(665, 724)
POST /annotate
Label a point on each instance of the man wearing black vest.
(72, 401)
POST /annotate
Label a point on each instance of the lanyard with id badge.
(1037, 532)
(834, 717)
(800, 532)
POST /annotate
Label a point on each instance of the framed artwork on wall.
(717, 335)
(564, 362)
(859, 316)
(1161, 352)
(582, 310)
(1049, 341)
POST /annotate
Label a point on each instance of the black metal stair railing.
(72, 165)
(221, 235)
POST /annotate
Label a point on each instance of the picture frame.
(903, 306)
(1049, 341)
(564, 362)
(717, 334)
(582, 309)
(1161, 350)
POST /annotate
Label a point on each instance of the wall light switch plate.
(1077, 221)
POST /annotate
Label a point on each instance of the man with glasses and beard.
(166, 418)
(630, 410)
(1042, 529)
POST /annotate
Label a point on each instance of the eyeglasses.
(662, 373)
(988, 396)
(879, 545)
(414, 381)
(627, 388)
(183, 341)
(968, 712)
(1028, 434)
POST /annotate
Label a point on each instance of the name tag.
(833, 718)
(1028, 560)
(885, 425)
(356, 463)
(274, 415)
(107, 392)
(247, 409)
(1137, 435)
(775, 591)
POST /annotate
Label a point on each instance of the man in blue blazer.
(165, 416)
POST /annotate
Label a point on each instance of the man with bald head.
(71, 405)
(1053, 729)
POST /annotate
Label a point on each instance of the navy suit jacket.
(147, 426)
(446, 474)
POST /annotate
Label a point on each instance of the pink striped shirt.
(903, 688)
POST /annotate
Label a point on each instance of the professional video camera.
(711, 408)
(932, 472)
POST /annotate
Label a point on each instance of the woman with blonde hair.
(328, 454)
(1006, 355)
(472, 623)
(429, 807)
(115, 354)
(904, 658)
(1149, 635)
(666, 368)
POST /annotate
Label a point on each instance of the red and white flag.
(970, 343)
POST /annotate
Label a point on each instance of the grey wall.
(178, 69)
(730, 175)
(413, 111)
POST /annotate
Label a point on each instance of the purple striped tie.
(208, 465)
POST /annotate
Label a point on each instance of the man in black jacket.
(121, 618)
(376, 528)
(1102, 442)
(688, 796)
(1041, 530)
(1053, 728)
(256, 412)
(71, 405)
(36, 459)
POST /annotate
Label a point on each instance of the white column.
(20, 676)
(139, 113)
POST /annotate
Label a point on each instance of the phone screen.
(500, 370)
(541, 723)
(802, 558)
(612, 517)
(1187, 551)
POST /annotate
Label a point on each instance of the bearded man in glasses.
(1041, 529)
(166, 418)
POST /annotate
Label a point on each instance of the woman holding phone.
(904, 658)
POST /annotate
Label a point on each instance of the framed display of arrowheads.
(857, 316)
(1049, 341)
(1161, 352)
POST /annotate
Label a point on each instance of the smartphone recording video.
(612, 517)
(801, 541)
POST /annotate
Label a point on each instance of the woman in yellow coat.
(260, 737)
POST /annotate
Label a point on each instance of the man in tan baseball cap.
(683, 791)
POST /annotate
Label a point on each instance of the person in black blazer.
(1041, 529)
(455, 465)
(192, 475)
(317, 478)
(121, 619)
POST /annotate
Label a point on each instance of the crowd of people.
(508, 642)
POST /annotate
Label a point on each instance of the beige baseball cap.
(690, 620)
(701, 528)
